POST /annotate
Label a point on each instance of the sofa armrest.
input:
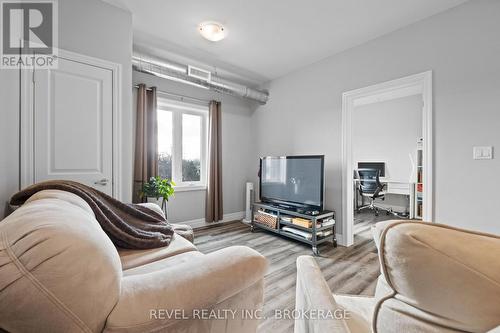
(154, 207)
(196, 285)
(313, 294)
(379, 227)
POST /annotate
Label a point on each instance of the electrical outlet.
(482, 153)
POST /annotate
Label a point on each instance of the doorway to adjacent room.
(387, 153)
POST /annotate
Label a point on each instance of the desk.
(392, 187)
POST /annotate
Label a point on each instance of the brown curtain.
(146, 139)
(214, 182)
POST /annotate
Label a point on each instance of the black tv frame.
(293, 204)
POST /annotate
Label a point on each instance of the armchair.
(435, 278)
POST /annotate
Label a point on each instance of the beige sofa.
(434, 279)
(59, 272)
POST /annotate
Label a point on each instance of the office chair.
(369, 186)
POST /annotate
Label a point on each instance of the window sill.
(187, 188)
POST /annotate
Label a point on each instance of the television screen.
(292, 180)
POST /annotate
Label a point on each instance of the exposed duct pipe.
(181, 73)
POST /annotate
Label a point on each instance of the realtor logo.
(29, 34)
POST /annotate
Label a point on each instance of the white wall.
(100, 30)
(89, 27)
(97, 29)
(388, 132)
(303, 115)
(462, 48)
(237, 159)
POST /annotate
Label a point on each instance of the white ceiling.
(270, 38)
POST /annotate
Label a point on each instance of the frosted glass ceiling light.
(213, 31)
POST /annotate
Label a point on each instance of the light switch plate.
(482, 153)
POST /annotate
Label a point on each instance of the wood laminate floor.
(364, 220)
(352, 270)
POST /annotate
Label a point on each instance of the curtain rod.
(182, 97)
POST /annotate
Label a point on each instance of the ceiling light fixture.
(213, 31)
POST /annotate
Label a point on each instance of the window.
(182, 142)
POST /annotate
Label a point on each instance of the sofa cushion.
(379, 227)
(382, 289)
(134, 258)
(360, 311)
(64, 196)
(196, 284)
(165, 263)
(443, 279)
(58, 269)
(313, 294)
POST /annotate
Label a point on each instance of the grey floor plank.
(352, 270)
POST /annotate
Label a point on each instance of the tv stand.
(314, 240)
(281, 206)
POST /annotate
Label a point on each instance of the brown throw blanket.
(129, 226)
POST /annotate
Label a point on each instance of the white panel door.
(73, 124)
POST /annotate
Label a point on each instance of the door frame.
(421, 82)
(26, 147)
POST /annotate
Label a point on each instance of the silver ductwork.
(178, 72)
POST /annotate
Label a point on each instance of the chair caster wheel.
(252, 228)
(315, 251)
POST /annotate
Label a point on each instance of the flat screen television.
(293, 181)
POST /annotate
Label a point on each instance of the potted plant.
(158, 190)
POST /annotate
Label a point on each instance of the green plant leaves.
(158, 187)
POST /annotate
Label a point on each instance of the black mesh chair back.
(369, 181)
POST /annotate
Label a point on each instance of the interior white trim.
(26, 167)
(340, 239)
(421, 82)
(388, 95)
(198, 223)
(187, 188)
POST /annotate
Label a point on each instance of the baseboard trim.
(340, 239)
(198, 224)
(202, 223)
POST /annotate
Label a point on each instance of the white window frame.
(178, 109)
